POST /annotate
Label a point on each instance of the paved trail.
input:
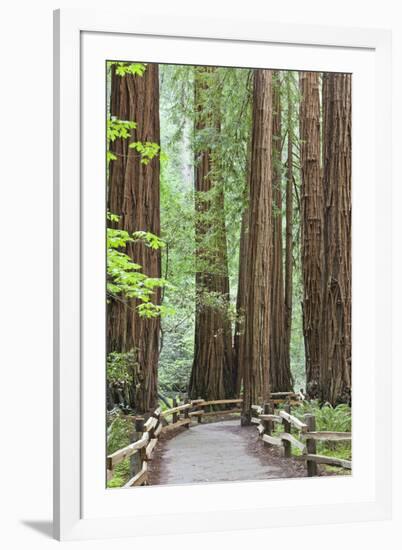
(221, 451)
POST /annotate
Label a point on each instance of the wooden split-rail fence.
(265, 417)
(297, 433)
(162, 422)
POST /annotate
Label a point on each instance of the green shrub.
(118, 436)
(328, 419)
(118, 432)
(121, 474)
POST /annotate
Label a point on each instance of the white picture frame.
(83, 508)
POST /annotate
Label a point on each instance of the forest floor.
(220, 451)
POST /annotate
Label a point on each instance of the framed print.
(222, 288)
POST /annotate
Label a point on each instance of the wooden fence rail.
(265, 417)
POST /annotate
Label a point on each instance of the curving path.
(221, 451)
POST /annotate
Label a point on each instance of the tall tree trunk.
(133, 194)
(212, 370)
(258, 268)
(336, 311)
(289, 221)
(239, 333)
(238, 347)
(280, 375)
(311, 226)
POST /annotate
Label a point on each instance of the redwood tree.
(258, 267)
(311, 225)
(280, 375)
(212, 369)
(133, 194)
(238, 343)
(289, 218)
(336, 305)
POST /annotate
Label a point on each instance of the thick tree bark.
(258, 268)
(311, 226)
(280, 375)
(289, 223)
(212, 370)
(336, 307)
(133, 194)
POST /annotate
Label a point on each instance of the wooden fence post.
(268, 409)
(311, 445)
(287, 446)
(199, 417)
(187, 413)
(135, 459)
(174, 416)
(143, 457)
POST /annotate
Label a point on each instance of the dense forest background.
(229, 228)
(230, 141)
